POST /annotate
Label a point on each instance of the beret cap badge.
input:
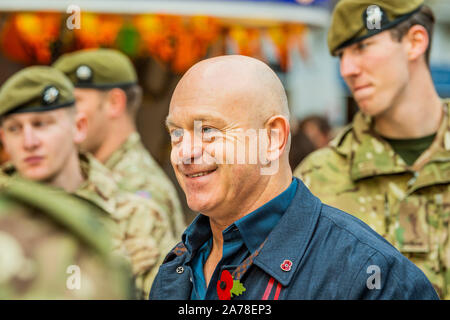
(50, 95)
(373, 17)
(84, 73)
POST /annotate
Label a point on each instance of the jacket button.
(180, 269)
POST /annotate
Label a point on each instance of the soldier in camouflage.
(41, 129)
(391, 166)
(53, 247)
(106, 89)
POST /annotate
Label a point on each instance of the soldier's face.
(206, 129)
(40, 144)
(90, 103)
(376, 72)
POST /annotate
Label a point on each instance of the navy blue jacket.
(314, 252)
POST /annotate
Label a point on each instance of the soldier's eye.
(362, 46)
(12, 128)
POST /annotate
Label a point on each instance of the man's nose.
(191, 149)
(30, 139)
(349, 65)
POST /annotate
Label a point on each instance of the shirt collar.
(254, 228)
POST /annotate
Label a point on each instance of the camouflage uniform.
(140, 229)
(52, 247)
(136, 171)
(409, 205)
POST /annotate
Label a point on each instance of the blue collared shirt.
(240, 240)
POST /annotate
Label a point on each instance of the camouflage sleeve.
(143, 237)
(40, 259)
(323, 171)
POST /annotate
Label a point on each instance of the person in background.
(107, 91)
(53, 247)
(317, 129)
(390, 166)
(41, 129)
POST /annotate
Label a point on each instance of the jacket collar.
(99, 187)
(132, 141)
(291, 236)
(370, 155)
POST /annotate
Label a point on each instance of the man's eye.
(209, 132)
(176, 134)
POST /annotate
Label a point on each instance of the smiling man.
(41, 129)
(390, 166)
(260, 233)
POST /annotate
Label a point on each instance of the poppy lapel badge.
(227, 287)
(286, 265)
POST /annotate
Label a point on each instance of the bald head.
(252, 89)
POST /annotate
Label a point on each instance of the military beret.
(356, 20)
(35, 89)
(97, 68)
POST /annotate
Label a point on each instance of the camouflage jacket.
(136, 171)
(409, 205)
(53, 247)
(140, 226)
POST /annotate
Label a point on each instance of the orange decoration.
(28, 37)
(98, 30)
(177, 41)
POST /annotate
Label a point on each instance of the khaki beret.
(356, 20)
(35, 89)
(97, 68)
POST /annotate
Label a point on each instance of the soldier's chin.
(38, 175)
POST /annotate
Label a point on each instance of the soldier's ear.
(81, 127)
(117, 102)
(418, 41)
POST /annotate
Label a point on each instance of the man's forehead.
(181, 114)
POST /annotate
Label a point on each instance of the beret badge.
(50, 95)
(84, 73)
(374, 18)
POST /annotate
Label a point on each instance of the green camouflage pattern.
(53, 247)
(140, 226)
(136, 171)
(409, 205)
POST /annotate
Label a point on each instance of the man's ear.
(278, 130)
(116, 101)
(81, 127)
(418, 42)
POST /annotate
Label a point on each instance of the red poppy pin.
(286, 265)
(228, 287)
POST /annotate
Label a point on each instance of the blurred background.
(165, 38)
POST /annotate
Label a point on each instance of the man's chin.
(200, 205)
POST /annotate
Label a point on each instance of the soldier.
(106, 89)
(53, 247)
(390, 166)
(40, 130)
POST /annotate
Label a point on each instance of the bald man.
(260, 234)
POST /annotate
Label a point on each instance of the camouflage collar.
(99, 186)
(133, 140)
(370, 155)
